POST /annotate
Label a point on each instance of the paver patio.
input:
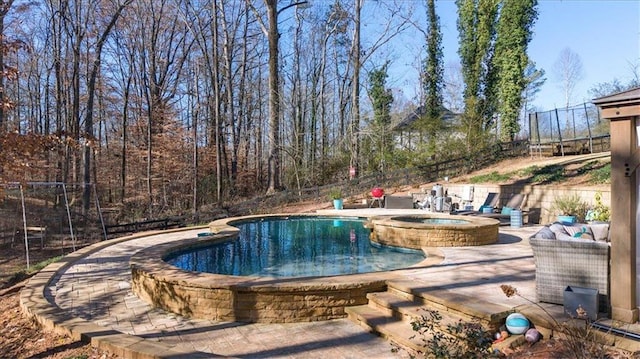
(92, 293)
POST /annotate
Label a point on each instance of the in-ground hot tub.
(433, 230)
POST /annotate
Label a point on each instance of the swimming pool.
(257, 298)
(296, 247)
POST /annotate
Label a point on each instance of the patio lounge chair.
(515, 202)
(504, 213)
(398, 202)
(490, 202)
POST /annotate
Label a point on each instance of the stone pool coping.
(252, 299)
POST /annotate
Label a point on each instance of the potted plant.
(336, 195)
(600, 212)
(569, 208)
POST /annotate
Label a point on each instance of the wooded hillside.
(160, 107)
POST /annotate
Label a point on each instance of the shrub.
(599, 212)
(335, 193)
(547, 174)
(457, 341)
(601, 175)
(570, 205)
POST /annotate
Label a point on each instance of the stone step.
(393, 305)
(396, 331)
(390, 313)
(489, 314)
(408, 311)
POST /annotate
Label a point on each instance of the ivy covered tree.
(514, 32)
(477, 21)
(381, 100)
(433, 76)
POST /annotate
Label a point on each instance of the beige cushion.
(600, 231)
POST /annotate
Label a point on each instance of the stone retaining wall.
(539, 199)
(256, 304)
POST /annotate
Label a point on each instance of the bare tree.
(164, 46)
(453, 87)
(270, 29)
(91, 87)
(359, 55)
(568, 71)
(4, 9)
(355, 94)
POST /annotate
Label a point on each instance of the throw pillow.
(557, 228)
(545, 233)
(506, 210)
(600, 232)
(579, 231)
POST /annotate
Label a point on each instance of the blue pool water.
(296, 247)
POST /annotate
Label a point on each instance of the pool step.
(389, 314)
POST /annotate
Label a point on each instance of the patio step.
(389, 314)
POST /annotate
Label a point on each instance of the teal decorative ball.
(517, 323)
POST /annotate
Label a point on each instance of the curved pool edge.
(251, 299)
(392, 230)
(39, 306)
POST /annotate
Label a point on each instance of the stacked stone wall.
(539, 198)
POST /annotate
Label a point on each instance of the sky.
(605, 34)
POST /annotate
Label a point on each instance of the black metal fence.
(573, 130)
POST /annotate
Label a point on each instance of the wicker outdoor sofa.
(564, 259)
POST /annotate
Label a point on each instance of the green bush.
(570, 205)
(601, 175)
(548, 174)
(335, 193)
(455, 341)
(599, 212)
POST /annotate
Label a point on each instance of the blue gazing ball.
(517, 323)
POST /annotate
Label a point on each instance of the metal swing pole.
(24, 224)
(104, 229)
(66, 202)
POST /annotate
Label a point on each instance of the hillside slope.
(575, 171)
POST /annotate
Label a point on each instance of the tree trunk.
(4, 8)
(355, 91)
(273, 173)
(91, 88)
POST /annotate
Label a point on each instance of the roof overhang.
(621, 105)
